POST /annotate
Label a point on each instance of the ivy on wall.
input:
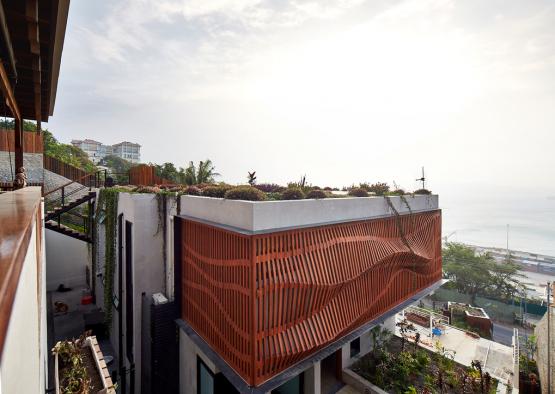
(107, 207)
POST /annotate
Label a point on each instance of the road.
(504, 334)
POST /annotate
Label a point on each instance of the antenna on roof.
(423, 179)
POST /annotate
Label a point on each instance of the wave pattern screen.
(264, 302)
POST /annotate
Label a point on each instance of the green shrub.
(358, 192)
(247, 193)
(397, 192)
(216, 191)
(292, 193)
(380, 188)
(316, 194)
(193, 191)
(422, 191)
(274, 196)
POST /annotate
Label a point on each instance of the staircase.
(52, 218)
(61, 215)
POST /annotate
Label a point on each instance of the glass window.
(205, 378)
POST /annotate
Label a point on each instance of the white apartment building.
(97, 150)
(128, 151)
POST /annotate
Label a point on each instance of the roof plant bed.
(399, 366)
(80, 367)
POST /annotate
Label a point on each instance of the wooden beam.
(7, 39)
(18, 131)
(8, 92)
(32, 13)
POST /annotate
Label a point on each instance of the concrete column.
(313, 379)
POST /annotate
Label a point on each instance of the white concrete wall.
(66, 260)
(23, 367)
(149, 267)
(272, 215)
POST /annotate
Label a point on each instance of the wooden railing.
(32, 141)
(145, 175)
(66, 170)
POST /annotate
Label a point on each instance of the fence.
(32, 141)
(497, 310)
(66, 170)
(145, 175)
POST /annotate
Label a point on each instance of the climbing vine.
(107, 207)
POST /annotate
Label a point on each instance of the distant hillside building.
(97, 150)
(128, 151)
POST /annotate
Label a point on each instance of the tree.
(479, 274)
(167, 171)
(204, 173)
(119, 167)
(66, 153)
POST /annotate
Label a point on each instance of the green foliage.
(274, 196)
(119, 167)
(479, 274)
(66, 153)
(292, 193)
(9, 124)
(316, 194)
(397, 192)
(204, 173)
(247, 193)
(74, 378)
(108, 205)
(358, 192)
(380, 188)
(167, 171)
(422, 191)
(216, 191)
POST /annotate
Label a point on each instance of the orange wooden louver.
(265, 302)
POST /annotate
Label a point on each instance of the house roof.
(31, 41)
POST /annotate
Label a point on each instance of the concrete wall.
(23, 367)
(149, 267)
(66, 260)
(543, 348)
(272, 215)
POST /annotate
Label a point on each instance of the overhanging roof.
(32, 35)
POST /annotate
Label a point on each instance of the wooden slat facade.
(265, 302)
(32, 141)
(145, 175)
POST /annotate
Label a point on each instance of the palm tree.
(205, 173)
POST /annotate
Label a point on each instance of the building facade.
(128, 151)
(97, 150)
(273, 294)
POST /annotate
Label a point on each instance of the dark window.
(292, 386)
(355, 347)
(129, 290)
(205, 378)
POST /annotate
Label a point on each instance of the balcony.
(269, 284)
(22, 293)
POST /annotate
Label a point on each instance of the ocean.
(482, 219)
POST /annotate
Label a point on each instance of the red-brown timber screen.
(265, 302)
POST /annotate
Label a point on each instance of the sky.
(343, 91)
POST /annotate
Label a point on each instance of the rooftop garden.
(199, 181)
(398, 365)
